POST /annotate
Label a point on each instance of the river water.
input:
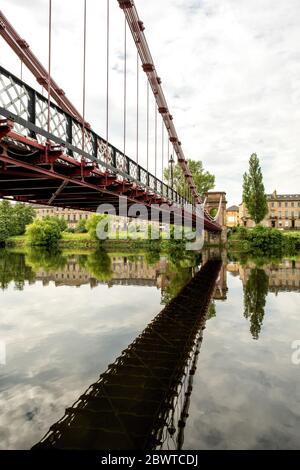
(64, 317)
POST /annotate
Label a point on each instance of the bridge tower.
(212, 205)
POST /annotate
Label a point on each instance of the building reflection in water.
(141, 401)
(258, 281)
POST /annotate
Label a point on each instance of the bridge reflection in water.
(142, 400)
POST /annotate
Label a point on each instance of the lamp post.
(171, 162)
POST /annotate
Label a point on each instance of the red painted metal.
(22, 49)
(137, 31)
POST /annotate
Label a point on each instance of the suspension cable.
(137, 106)
(147, 126)
(162, 149)
(49, 61)
(155, 140)
(21, 78)
(84, 76)
(125, 83)
(107, 71)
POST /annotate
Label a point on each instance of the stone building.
(232, 216)
(71, 216)
(283, 212)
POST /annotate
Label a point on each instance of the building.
(71, 216)
(232, 216)
(283, 212)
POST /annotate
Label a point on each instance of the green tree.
(204, 180)
(43, 233)
(255, 293)
(93, 223)
(22, 215)
(6, 220)
(254, 196)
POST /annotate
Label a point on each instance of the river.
(66, 316)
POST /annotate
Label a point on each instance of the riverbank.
(85, 241)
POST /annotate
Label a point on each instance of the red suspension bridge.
(50, 155)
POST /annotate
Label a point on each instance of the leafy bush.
(60, 221)
(44, 232)
(81, 226)
(265, 239)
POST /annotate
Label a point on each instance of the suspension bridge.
(50, 155)
(142, 400)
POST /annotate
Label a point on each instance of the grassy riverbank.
(262, 240)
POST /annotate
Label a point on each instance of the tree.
(22, 215)
(14, 218)
(204, 180)
(43, 233)
(6, 222)
(93, 225)
(254, 196)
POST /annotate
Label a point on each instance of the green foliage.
(261, 241)
(98, 265)
(14, 218)
(23, 215)
(255, 293)
(93, 222)
(204, 180)
(49, 259)
(60, 221)
(254, 196)
(13, 267)
(6, 227)
(82, 226)
(44, 233)
(265, 239)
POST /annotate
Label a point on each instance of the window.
(292, 204)
(279, 204)
(286, 204)
(286, 214)
(279, 214)
(273, 204)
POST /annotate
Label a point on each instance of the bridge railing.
(29, 109)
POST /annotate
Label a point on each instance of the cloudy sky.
(230, 71)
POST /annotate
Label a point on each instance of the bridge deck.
(78, 169)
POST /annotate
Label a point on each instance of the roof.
(233, 209)
(284, 197)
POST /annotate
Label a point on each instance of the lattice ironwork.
(26, 103)
(15, 98)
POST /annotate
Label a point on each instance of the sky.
(230, 71)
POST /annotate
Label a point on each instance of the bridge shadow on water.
(141, 401)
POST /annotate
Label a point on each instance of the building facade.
(71, 216)
(232, 216)
(283, 212)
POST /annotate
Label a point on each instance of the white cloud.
(230, 71)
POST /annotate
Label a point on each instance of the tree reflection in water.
(255, 293)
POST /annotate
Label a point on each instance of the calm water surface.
(65, 317)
